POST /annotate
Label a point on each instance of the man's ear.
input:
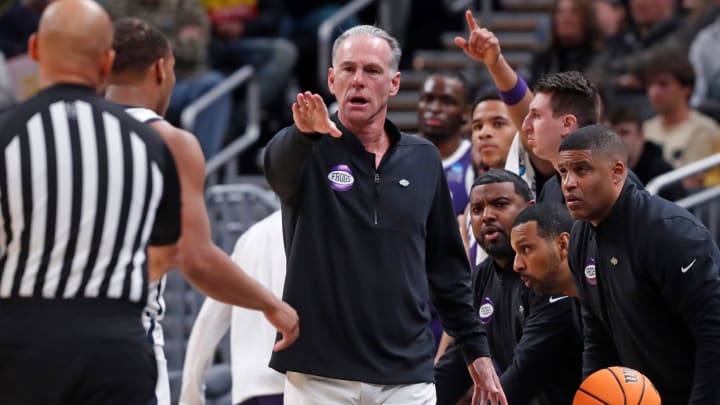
(33, 47)
(331, 80)
(107, 63)
(569, 124)
(562, 244)
(159, 68)
(395, 84)
(618, 171)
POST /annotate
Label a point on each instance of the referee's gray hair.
(372, 31)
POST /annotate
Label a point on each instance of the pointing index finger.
(472, 24)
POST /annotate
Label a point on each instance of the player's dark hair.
(503, 176)
(571, 93)
(486, 94)
(137, 45)
(552, 219)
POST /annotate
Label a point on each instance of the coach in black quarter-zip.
(369, 233)
(646, 271)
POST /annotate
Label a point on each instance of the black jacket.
(363, 245)
(535, 341)
(649, 285)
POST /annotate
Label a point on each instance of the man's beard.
(500, 248)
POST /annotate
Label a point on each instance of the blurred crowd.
(653, 57)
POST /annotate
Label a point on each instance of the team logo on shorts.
(341, 178)
(590, 274)
(486, 311)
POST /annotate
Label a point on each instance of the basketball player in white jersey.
(142, 79)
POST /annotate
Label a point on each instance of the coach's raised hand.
(311, 115)
(481, 44)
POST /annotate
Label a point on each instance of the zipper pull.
(377, 178)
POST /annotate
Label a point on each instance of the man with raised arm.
(369, 231)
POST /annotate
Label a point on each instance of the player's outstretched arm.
(483, 46)
(204, 264)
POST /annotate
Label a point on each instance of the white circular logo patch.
(590, 274)
(341, 178)
(486, 310)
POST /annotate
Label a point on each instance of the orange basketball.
(617, 386)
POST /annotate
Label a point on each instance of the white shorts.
(162, 387)
(306, 389)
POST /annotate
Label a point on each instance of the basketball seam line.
(619, 385)
(594, 396)
(642, 393)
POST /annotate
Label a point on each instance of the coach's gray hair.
(373, 31)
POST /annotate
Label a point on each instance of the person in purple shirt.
(442, 112)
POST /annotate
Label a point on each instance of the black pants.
(101, 357)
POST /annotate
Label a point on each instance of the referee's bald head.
(73, 43)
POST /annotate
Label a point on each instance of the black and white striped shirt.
(83, 189)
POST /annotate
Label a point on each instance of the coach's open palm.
(311, 115)
(481, 44)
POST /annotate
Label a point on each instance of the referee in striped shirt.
(84, 188)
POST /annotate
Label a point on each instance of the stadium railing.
(227, 157)
(704, 204)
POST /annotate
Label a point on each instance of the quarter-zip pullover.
(366, 246)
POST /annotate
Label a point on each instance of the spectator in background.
(684, 134)
(302, 27)
(17, 23)
(618, 70)
(705, 61)
(645, 158)
(186, 24)
(246, 32)
(442, 110)
(576, 38)
(492, 129)
(611, 17)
